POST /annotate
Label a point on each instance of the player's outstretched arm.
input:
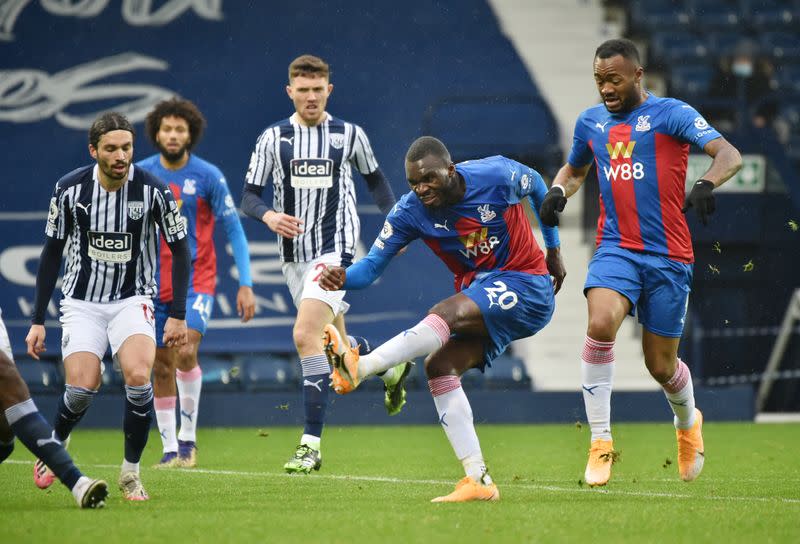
(175, 333)
(727, 161)
(357, 276)
(566, 183)
(46, 277)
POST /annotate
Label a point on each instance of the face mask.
(742, 69)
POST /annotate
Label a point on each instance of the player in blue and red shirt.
(175, 126)
(471, 216)
(643, 263)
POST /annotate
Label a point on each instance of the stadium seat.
(507, 372)
(716, 14)
(41, 376)
(722, 43)
(270, 372)
(788, 76)
(688, 81)
(678, 47)
(651, 15)
(774, 14)
(781, 45)
(219, 374)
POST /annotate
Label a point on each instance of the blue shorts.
(198, 311)
(514, 305)
(658, 287)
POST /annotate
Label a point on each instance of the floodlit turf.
(376, 483)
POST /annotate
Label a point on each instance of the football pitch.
(376, 483)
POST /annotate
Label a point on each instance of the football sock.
(680, 394)
(455, 416)
(423, 338)
(165, 417)
(311, 441)
(365, 348)
(32, 430)
(5, 449)
(597, 375)
(189, 385)
(71, 407)
(316, 382)
(138, 417)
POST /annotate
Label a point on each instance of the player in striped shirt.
(643, 262)
(109, 212)
(310, 159)
(19, 416)
(175, 126)
(471, 216)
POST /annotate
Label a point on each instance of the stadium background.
(504, 76)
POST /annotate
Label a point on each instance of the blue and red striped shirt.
(641, 159)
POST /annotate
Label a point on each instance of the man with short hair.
(175, 126)
(310, 157)
(503, 286)
(644, 256)
(19, 416)
(109, 212)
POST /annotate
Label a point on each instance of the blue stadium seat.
(781, 45)
(722, 43)
(219, 374)
(659, 15)
(269, 372)
(687, 81)
(774, 14)
(507, 372)
(788, 76)
(678, 47)
(716, 14)
(41, 376)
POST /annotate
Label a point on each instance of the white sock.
(189, 385)
(422, 339)
(597, 375)
(80, 488)
(165, 417)
(311, 441)
(455, 416)
(680, 394)
(129, 467)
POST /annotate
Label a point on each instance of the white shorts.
(302, 280)
(91, 326)
(5, 343)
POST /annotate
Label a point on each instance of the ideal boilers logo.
(111, 247)
(312, 173)
(622, 151)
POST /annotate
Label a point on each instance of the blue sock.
(5, 449)
(138, 417)
(365, 347)
(31, 428)
(316, 383)
(71, 407)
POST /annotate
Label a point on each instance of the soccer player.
(310, 157)
(471, 216)
(19, 416)
(643, 263)
(109, 211)
(175, 126)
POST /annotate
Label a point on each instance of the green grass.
(376, 483)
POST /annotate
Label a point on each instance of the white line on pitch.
(555, 489)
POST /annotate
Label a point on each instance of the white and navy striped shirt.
(312, 179)
(113, 241)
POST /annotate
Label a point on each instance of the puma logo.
(601, 127)
(591, 389)
(441, 226)
(42, 442)
(140, 414)
(84, 208)
(313, 384)
(289, 141)
(187, 415)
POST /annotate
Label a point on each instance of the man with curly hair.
(175, 126)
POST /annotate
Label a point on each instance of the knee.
(187, 359)
(602, 328)
(163, 370)
(138, 376)
(305, 340)
(436, 367)
(661, 368)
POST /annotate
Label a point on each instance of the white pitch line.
(555, 489)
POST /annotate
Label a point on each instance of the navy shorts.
(658, 287)
(514, 305)
(198, 311)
